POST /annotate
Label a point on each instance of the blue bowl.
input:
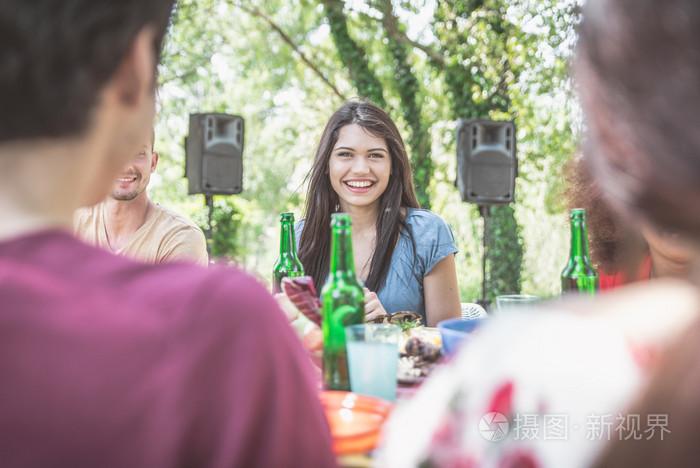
(454, 331)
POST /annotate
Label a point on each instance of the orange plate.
(355, 420)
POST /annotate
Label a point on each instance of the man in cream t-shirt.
(128, 223)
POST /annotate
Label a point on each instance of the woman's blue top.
(403, 288)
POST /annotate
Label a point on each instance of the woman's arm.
(441, 292)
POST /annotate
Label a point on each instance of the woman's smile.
(359, 186)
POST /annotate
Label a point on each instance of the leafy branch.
(185, 75)
(275, 27)
(392, 29)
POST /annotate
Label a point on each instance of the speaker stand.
(485, 212)
(209, 200)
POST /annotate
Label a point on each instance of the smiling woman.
(403, 255)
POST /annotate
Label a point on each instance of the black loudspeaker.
(486, 161)
(214, 154)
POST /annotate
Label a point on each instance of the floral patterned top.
(534, 388)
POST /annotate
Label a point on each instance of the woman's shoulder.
(420, 215)
(421, 220)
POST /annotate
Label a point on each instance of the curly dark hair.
(56, 56)
(604, 233)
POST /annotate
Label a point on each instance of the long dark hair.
(315, 240)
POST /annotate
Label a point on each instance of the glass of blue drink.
(373, 357)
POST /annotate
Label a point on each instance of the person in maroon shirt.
(105, 361)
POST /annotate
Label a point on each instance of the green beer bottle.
(343, 304)
(579, 275)
(288, 263)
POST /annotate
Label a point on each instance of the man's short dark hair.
(57, 55)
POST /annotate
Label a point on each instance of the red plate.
(355, 420)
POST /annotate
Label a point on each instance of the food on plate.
(420, 353)
(402, 317)
(422, 349)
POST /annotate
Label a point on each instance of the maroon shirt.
(106, 362)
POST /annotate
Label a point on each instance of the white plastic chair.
(472, 311)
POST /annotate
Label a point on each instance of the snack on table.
(422, 349)
(396, 317)
(419, 355)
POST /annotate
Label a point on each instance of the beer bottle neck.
(342, 259)
(579, 240)
(287, 241)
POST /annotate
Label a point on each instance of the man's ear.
(154, 161)
(134, 79)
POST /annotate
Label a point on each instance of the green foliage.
(504, 249)
(407, 325)
(352, 54)
(224, 231)
(409, 92)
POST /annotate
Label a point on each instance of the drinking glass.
(515, 301)
(373, 357)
